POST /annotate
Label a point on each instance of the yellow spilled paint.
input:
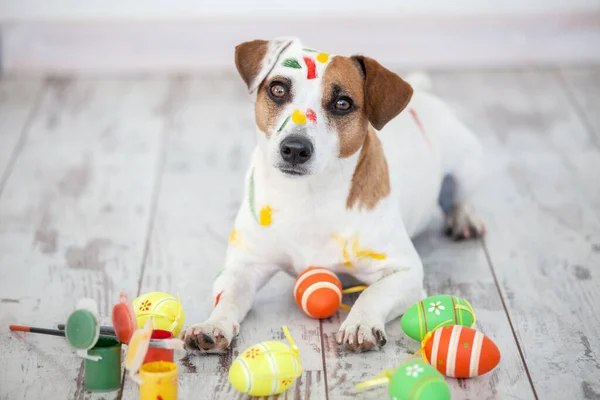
(352, 252)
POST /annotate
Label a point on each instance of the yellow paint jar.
(158, 381)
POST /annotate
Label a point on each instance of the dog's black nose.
(296, 149)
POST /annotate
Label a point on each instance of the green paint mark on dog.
(284, 124)
(291, 63)
(251, 197)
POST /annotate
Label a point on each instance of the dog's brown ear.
(255, 59)
(249, 58)
(386, 94)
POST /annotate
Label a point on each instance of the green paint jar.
(103, 375)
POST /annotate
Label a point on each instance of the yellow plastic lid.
(137, 349)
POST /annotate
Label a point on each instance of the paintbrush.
(161, 343)
(45, 331)
(104, 330)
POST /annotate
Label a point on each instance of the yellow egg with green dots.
(265, 369)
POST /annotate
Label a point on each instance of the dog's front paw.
(462, 224)
(209, 337)
(361, 337)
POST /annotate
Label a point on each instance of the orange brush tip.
(19, 328)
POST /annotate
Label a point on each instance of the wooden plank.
(208, 148)
(542, 207)
(18, 103)
(73, 222)
(583, 87)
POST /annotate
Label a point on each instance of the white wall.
(24, 10)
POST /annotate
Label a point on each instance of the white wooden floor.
(132, 184)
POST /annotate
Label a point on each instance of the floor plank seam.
(161, 162)
(581, 114)
(512, 328)
(323, 360)
(122, 388)
(22, 137)
(79, 390)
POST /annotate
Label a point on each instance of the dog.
(351, 163)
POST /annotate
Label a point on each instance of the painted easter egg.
(318, 292)
(461, 352)
(435, 311)
(417, 380)
(265, 369)
(123, 319)
(164, 309)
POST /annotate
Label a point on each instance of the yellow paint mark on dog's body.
(345, 256)
(236, 240)
(353, 253)
(361, 253)
(266, 217)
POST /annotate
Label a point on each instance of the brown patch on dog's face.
(343, 81)
(268, 106)
(376, 95)
(371, 179)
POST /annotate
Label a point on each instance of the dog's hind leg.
(461, 223)
(464, 171)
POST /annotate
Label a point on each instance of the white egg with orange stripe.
(318, 292)
(460, 352)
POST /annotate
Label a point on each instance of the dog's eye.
(278, 90)
(343, 104)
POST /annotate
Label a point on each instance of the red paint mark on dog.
(418, 122)
(311, 116)
(218, 298)
(312, 69)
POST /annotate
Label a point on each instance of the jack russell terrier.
(328, 186)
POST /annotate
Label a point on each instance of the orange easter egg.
(318, 292)
(461, 352)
